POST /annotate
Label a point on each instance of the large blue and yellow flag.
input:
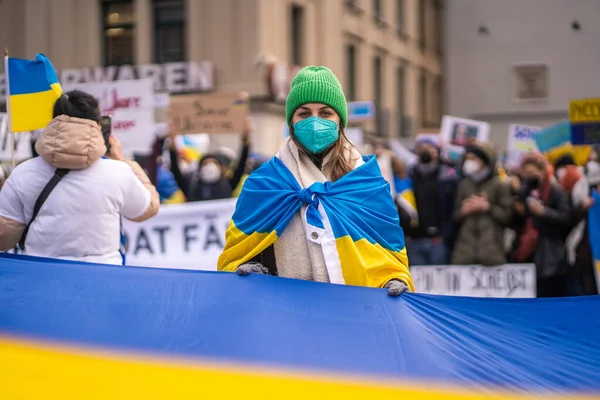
(83, 331)
(354, 219)
(32, 88)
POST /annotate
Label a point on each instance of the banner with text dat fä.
(182, 236)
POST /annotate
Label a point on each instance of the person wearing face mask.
(483, 210)
(542, 217)
(318, 210)
(209, 180)
(434, 183)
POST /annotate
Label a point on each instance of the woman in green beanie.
(318, 210)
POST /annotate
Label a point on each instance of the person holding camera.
(542, 220)
(68, 202)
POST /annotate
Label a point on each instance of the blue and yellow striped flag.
(32, 89)
(363, 241)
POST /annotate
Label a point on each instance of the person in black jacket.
(542, 219)
(430, 237)
(209, 181)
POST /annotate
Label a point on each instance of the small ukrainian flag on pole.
(32, 88)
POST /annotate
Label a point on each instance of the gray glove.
(249, 267)
(395, 287)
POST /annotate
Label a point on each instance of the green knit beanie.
(316, 85)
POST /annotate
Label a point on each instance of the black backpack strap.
(58, 175)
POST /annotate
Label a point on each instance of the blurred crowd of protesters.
(468, 212)
(475, 211)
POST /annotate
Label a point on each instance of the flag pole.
(8, 119)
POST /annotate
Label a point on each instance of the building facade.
(515, 61)
(385, 51)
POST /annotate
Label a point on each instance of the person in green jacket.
(482, 211)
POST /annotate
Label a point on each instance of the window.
(118, 23)
(297, 42)
(423, 98)
(438, 26)
(353, 6)
(351, 62)
(532, 82)
(400, 17)
(169, 31)
(377, 15)
(422, 24)
(377, 94)
(439, 103)
(400, 100)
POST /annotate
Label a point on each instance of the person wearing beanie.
(318, 210)
(483, 209)
(542, 218)
(210, 180)
(431, 231)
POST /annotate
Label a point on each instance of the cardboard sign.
(213, 113)
(584, 116)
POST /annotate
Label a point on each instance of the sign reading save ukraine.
(584, 116)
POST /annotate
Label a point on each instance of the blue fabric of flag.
(31, 76)
(547, 345)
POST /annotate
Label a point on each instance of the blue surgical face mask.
(316, 134)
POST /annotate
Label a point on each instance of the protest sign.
(162, 102)
(584, 116)
(131, 104)
(22, 143)
(510, 280)
(457, 133)
(359, 111)
(212, 113)
(521, 140)
(183, 236)
(522, 137)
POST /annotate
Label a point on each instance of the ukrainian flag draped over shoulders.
(357, 209)
(32, 90)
